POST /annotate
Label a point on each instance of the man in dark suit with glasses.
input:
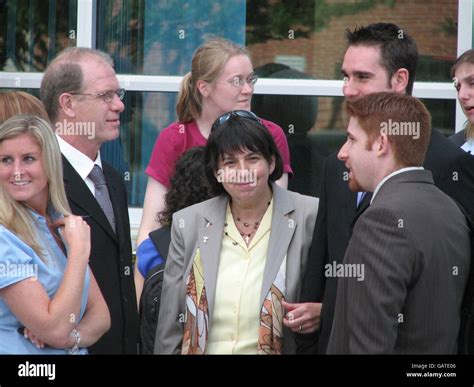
(83, 99)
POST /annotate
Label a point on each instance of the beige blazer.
(202, 226)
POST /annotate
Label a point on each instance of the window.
(30, 35)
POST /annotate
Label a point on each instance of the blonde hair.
(13, 103)
(207, 64)
(467, 57)
(14, 215)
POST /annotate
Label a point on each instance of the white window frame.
(86, 37)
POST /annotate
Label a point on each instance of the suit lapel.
(283, 228)
(79, 194)
(210, 242)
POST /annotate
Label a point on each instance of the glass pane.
(33, 31)
(443, 114)
(158, 37)
(34, 92)
(145, 115)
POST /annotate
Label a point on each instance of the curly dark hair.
(189, 184)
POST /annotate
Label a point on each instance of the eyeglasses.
(240, 82)
(107, 96)
(235, 114)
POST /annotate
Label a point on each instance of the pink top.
(177, 138)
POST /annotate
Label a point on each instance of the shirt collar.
(52, 212)
(79, 161)
(468, 146)
(397, 172)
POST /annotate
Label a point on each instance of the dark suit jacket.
(111, 258)
(409, 298)
(459, 138)
(453, 173)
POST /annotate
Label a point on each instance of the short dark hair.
(398, 49)
(235, 135)
(189, 184)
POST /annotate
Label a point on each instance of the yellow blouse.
(236, 316)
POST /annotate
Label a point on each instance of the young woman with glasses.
(221, 80)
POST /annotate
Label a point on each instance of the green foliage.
(274, 21)
(449, 27)
(267, 21)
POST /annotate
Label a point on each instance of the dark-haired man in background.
(379, 57)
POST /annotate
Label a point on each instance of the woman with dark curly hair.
(189, 185)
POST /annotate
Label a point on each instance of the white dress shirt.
(80, 162)
(468, 146)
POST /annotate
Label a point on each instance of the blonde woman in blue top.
(50, 302)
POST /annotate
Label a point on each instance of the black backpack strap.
(151, 294)
(161, 238)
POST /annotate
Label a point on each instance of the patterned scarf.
(196, 328)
